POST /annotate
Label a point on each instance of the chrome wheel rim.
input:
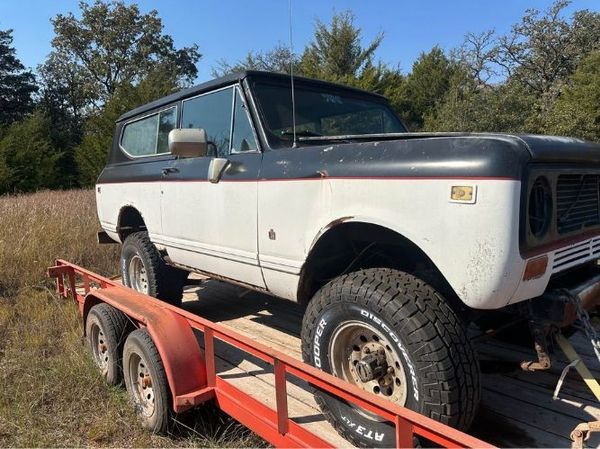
(355, 348)
(99, 348)
(141, 385)
(138, 276)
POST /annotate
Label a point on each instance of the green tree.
(383, 80)
(577, 111)
(426, 86)
(28, 160)
(544, 49)
(337, 53)
(64, 99)
(468, 106)
(99, 56)
(92, 153)
(536, 59)
(277, 59)
(112, 44)
(17, 85)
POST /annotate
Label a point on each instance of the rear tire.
(144, 270)
(106, 329)
(421, 344)
(146, 381)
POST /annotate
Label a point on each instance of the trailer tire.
(106, 330)
(146, 381)
(144, 269)
(413, 329)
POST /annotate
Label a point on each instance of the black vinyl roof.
(227, 80)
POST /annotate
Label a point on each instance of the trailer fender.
(181, 355)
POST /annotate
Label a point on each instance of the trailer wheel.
(144, 270)
(146, 381)
(391, 334)
(106, 329)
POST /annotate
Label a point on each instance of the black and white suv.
(393, 240)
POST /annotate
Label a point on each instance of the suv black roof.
(226, 80)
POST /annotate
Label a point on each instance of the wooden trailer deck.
(517, 408)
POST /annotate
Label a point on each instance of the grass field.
(50, 391)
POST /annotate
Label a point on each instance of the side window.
(139, 137)
(243, 137)
(149, 135)
(212, 112)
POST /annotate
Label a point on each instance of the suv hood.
(426, 155)
(553, 149)
(541, 148)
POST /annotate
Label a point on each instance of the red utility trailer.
(184, 357)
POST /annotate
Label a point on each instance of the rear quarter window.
(149, 135)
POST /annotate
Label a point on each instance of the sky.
(228, 29)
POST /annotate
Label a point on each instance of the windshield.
(321, 111)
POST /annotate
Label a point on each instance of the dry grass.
(36, 229)
(50, 391)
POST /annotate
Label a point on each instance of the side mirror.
(189, 142)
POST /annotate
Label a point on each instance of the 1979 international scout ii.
(393, 240)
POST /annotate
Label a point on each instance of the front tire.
(391, 334)
(144, 270)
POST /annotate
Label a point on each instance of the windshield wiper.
(311, 136)
(304, 133)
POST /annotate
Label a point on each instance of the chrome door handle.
(216, 168)
(167, 170)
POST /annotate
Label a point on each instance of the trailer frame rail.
(87, 288)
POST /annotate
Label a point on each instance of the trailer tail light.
(535, 268)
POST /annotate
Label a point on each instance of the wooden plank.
(522, 411)
(572, 386)
(257, 379)
(505, 431)
(517, 353)
(541, 398)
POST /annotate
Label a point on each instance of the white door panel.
(213, 227)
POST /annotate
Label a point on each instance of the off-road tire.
(164, 282)
(113, 326)
(139, 343)
(439, 361)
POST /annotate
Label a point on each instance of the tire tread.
(142, 339)
(446, 357)
(165, 282)
(116, 325)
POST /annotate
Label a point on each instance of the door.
(133, 178)
(211, 225)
